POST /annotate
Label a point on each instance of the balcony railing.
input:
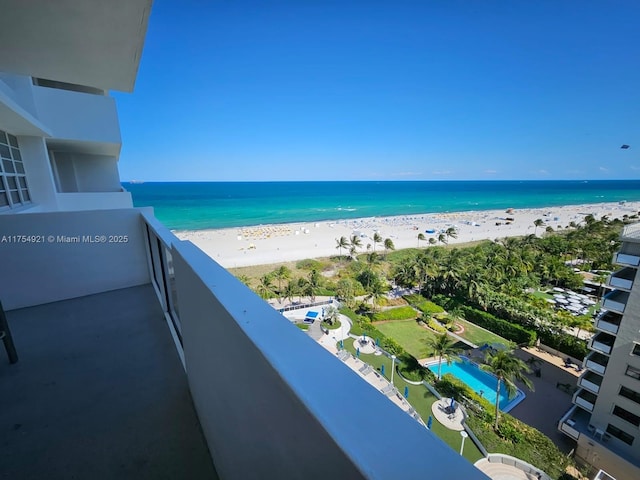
(591, 381)
(585, 400)
(622, 278)
(616, 301)
(602, 342)
(568, 425)
(231, 343)
(626, 259)
(608, 322)
(596, 362)
(631, 232)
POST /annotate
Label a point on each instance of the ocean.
(203, 205)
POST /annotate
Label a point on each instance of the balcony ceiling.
(87, 42)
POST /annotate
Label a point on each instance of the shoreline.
(285, 242)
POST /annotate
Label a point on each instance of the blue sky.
(373, 90)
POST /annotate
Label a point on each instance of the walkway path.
(500, 471)
(371, 375)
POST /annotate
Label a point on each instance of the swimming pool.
(483, 383)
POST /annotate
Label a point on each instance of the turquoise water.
(479, 381)
(200, 205)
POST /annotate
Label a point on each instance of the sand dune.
(266, 244)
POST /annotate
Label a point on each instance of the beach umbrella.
(377, 342)
(382, 369)
(358, 352)
(453, 402)
(429, 422)
(406, 392)
(341, 343)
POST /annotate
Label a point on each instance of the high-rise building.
(605, 417)
(139, 356)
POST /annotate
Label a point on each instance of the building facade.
(605, 418)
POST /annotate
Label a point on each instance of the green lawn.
(409, 334)
(421, 399)
(479, 336)
(542, 295)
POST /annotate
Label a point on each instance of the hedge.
(399, 313)
(510, 331)
(424, 305)
(575, 347)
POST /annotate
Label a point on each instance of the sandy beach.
(267, 244)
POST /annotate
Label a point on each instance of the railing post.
(7, 338)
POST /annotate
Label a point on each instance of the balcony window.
(13, 181)
(626, 415)
(630, 394)
(622, 435)
(632, 372)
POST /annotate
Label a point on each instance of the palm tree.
(421, 237)
(355, 242)
(442, 238)
(538, 223)
(244, 279)
(341, 243)
(280, 274)
(313, 284)
(432, 241)
(377, 238)
(291, 290)
(265, 287)
(388, 245)
(507, 368)
(451, 233)
(443, 347)
(375, 291)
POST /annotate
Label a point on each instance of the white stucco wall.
(78, 116)
(274, 404)
(50, 270)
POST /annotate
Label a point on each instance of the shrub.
(309, 264)
(433, 325)
(565, 343)
(400, 313)
(424, 305)
(519, 440)
(510, 331)
(412, 370)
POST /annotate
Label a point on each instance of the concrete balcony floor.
(98, 393)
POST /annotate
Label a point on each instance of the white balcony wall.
(78, 116)
(607, 326)
(94, 201)
(39, 177)
(614, 305)
(51, 269)
(589, 385)
(596, 367)
(569, 430)
(19, 89)
(274, 404)
(584, 403)
(626, 259)
(618, 282)
(601, 347)
(81, 172)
